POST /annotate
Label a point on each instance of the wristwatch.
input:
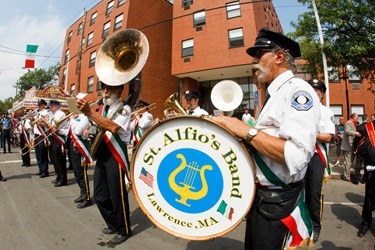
(251, 134)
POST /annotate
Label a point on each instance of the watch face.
(253, 132)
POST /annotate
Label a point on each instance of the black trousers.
(313, 190)
(41, 154)
(110, 192)
(369, 202)
(80, 171)
(59, 161)
(263, 233)
(6, 140)
(25, 152)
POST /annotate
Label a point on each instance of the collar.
(279, 81)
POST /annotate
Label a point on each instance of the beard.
(261, 73)
(110, 99)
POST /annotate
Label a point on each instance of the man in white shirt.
(192, 99)
(247, 118)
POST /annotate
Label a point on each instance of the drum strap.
(298, 221)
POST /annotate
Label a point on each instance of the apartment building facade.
(193, 45)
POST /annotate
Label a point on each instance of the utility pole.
(79, 60)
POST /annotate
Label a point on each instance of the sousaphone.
(122, 57)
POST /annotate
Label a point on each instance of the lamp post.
(345, 77)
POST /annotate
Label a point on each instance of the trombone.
(148, 108)
(57, 124)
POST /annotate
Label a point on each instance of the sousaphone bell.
(122, 57)
(226, 96)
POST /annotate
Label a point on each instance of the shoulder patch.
(302, 100)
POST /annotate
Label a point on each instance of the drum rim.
(166, 229)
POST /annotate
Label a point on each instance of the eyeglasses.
(105, 86)
(260, 52)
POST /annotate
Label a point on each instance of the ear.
(280, 56)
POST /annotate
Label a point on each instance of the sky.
(44, 23)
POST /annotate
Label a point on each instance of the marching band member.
(142, 121)
(192, 99)
(281, 145)
(41, 141)
(58, 134)
(24, 128)
(80, 156)
(112, 164)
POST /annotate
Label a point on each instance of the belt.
(292, 184)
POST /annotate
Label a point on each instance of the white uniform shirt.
(198, 112)
(42, 113)
(63, 129)
(145, 122)
(122, 120)
(79, 124)
(326, 122)
(287, 116)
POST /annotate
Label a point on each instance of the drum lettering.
(150, 157)
(167, 215)
(215, 145)
(207, 222)
(203, 138)
(230, 158)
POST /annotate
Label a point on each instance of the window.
(235, 38)
(337, 112)
(66, 59)
(80, 27)
(188, 47)
(70, 36)
(93, 18)
(199, 18)
(233, 9)
(106, 27)
(118, 22)
(120, 2)
(63, 79)
(353, 74)
(109, 8)
(90, 38)
(92, 59)
(186, 3)
(359, 109)
(90, 84)
(333, 74)
(72, 89)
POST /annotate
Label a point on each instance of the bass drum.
(192, 178)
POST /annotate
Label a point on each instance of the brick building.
(193, 45)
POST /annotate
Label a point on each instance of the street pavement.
(36, 215)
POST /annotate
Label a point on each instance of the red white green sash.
(299, 221)
(321, 149)
(137, 134)
(119, 150)
(43, 134)
(371, 132)
(25, 136)
(82, 146)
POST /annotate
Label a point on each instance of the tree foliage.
(39, 78)
(6, 105)
(348, 28)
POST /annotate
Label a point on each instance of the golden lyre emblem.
(185, 190)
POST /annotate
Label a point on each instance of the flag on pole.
(30, 55)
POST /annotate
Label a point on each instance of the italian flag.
(30, 55)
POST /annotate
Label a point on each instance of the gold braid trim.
(122, 198)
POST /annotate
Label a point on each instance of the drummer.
(192, 99)
(282, 145)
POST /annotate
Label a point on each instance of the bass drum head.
(192, 178)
